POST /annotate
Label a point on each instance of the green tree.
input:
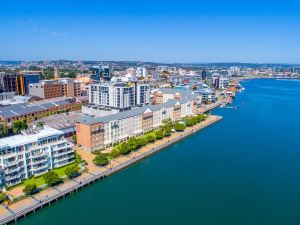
(125, 148)
(150, 138)
(3, 130)
(101, 160)
(51, 178)
(132, 142)
(179, 126)
(40, 124)
(74, 139)
(18, 126)
(159, 134)
(167, 132)
(201, 117)
(72, 171)
(115, 152)
(168, 123)
(78, 158)
(2, 197)
(141, 142)
(190, 121)
(30, 189)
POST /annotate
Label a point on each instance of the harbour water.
(242, 170)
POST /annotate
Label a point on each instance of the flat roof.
(20, 139)
(61, 121)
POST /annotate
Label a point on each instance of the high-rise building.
(203, 74)
(119, 95)
(25, 78)
(141, 72)
(19, 83)
(101, 72)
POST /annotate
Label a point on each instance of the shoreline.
(17, 210)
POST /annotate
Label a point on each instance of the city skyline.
(168, 32)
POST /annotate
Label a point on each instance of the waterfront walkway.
(28, 205)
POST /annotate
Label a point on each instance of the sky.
(158, 31)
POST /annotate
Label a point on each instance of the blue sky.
(161, 31)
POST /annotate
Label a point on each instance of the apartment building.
(119, 95)
(33, 153)
(99, 132)
(46, 89)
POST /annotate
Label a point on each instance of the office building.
(20, 82)
(101, 72)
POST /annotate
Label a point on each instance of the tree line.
(135, 143)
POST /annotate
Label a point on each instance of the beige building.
(94, 133)
(46, 89)
(162, 95)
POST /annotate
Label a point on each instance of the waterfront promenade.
(30, 204)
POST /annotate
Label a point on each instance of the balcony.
(8, 171)
(65, 157)
(36, 162)
(13, 163)
(9, 178)
(37, 168)
(66, 151)
(38, 155)
(62, 147)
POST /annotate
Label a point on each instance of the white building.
(119, 95)
(233, 70)
(33, 153)
(141, 72)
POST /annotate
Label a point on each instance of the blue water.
(242, 170)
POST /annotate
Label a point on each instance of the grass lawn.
(39, 181)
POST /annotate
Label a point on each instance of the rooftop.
(27, 108)
(61, 121)
(89, 120)
(22, 139)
